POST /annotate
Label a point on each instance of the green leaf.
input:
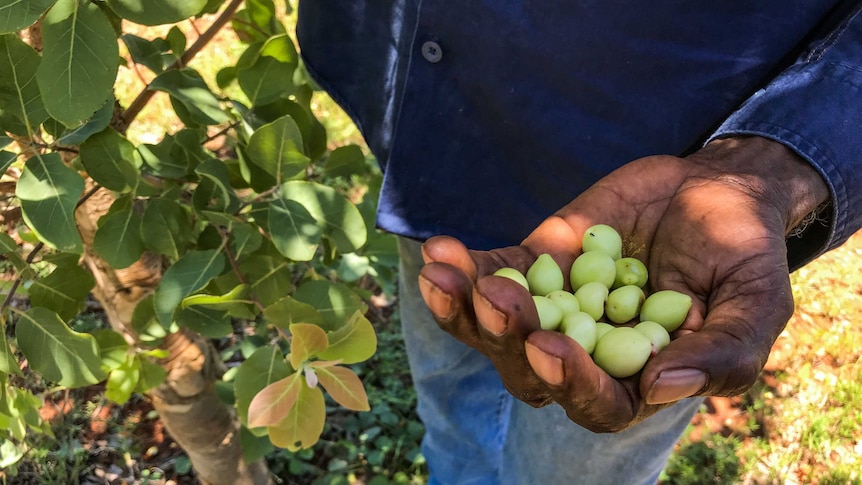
(345, 161)
(49, 192)
(302, 427)
(354, 342)
(18, 14)
(214, 192)
(187, 87)
(8, 361)
(287, 311)
(165, 228)
(208, 322)
(110, 159)
(123, 380)
(149, 53)
(10, 453)
(335, 302)
(218, 302)
(6, 160)
(265, 74)
(156, 12)
(265, 366)
(277, 149)
(118, 239)
(60, 354)
(295, 232)
(189, 274)
(152, 375)
(96, 124)
(176, 155)
(269, 277)
(79, 61)
(343, 385)
(341, 220)
(19, 94)
(313, 132)
(113, 348)
(64, 291)
(274, 402)
(307, 340)
(244, 239)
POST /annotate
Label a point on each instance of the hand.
(711, 225)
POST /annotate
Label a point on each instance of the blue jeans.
(477, 433)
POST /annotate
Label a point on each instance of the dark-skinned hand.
(711, 225)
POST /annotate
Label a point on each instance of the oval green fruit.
(624, 303)
(622, 352)
(567, 302)
(602, 328)
(630, 271)
(656, 334)
(581, 327)
(545, 276)
(668, 308)
(550, 314)
(593, 266)
(513, 275)
(591, 298)
(604, 238)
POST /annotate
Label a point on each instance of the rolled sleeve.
(815, 107)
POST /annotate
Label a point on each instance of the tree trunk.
(187, 403)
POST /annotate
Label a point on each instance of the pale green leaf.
(343, 385)
(110, 159)
(218, 302)
(307, 340)
(19, 93)
(335, 302)
(10, 453)
(277, 149)
(156, 12)
(8, 361)
(265, 366)
(295, 232)
(189, 274)
(152, 375)
(264, 73)
(49, 192)
(118, 239)
(341, 220)
(274, 402)
(123, 380)
(287, 311)
(302, 427)
(165, 228)
(354, 342)
(79, 62)
(60, 354)
(113, 348)
(18, 14)
(64, 291)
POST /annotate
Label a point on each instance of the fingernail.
(548, 367)
(491, 319)
(439, 302)
(673, 385)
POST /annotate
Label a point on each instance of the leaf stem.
(144, 96)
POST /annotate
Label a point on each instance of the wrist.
(773, 172)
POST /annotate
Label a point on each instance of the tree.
(235, 224)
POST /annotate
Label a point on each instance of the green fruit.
(630, 271)
(550, 314)
(544, 276)
(622, 352)
(624, 303)
(513, 275)
(602, 328)
(591, 298)
(593, 266)
(668, 308)
(656, 334)
(567, 302)
(604, 238)
(581, 327)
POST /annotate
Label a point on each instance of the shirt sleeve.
(815, 108)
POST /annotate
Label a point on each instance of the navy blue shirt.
(488, 116)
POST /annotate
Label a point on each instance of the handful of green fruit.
(608, 297)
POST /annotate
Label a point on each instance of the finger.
(590, 396)
(446, 249)
(448, 292)
(725, 356)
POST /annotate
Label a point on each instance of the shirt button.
(432, 52)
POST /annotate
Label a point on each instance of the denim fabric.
(478, 434)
